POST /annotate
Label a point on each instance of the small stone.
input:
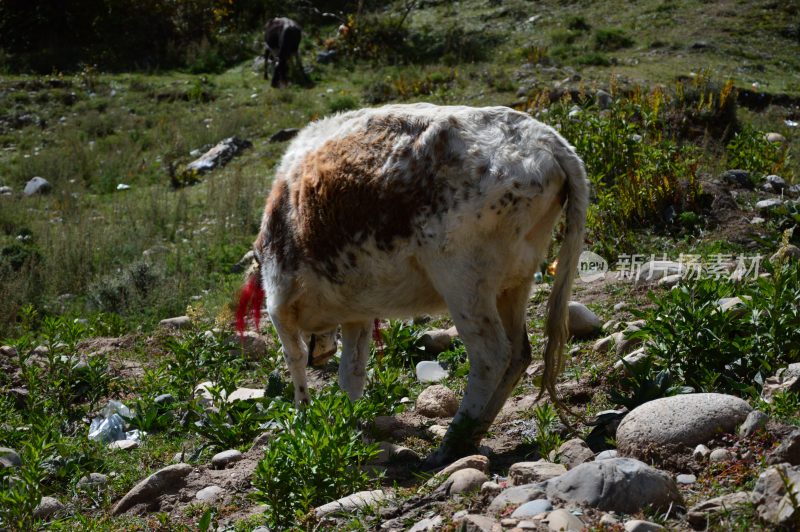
(776, 183)
(757, 220)
(720, 455)
(700, 453)
(164, 480)
(516, 496)
(210, 494)
(437, 401)
(427, 525)
(48, 507)
(606, 455)
(475, 461)
(619, 307)
(464, 481)
(774, 504)
(245, 394)
(738, 178)
(179, 322)
(582, 322)
(532, 508)
(225, 458)
(361, 499)
(756, 420)
(604, 345)
(686, 479)
(563, 520)
(632, 361)
(429, 371)
(575, 452)
(389, 453)
(9, 457)
(93, 480)
(637, 525)
(490, 488)
(6, 191)
(768, 204)
(788, 450)
(164, 399)
(603, 99)
(669, 281)
(438, 340)
(652, 271)
(437, 431)
(528, 472)
(476, 523)
(608, 520)
(775, 137)
(698, 514)
(37, 185)
(123, 445)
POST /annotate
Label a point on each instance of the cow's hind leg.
(355, 352)
(479, 324)
(511, 304)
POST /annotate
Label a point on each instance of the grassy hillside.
(119, 244)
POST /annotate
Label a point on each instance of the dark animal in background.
(282, 37)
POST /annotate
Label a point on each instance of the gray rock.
(583, 323)
(738, 178)
(389, 453)
(604, 345)
(245, 394)
(606, 455)
(463, 481)
(793, 191)
(652, 271)
(210, 494)
(516, 496)
(768, 204)
(251, 343)
(532, 508)
(282, 135)
(437, 401)
(627, 346)
(788, 451)
(6, 191)
(93, 480)
(179, 322)
(164, 399)
(775, 137)
(776, 183)
(700, 453)
(603, 99)
(574, 452)
(699, 513)
(438, 340)
(562, 520)
(475, 461)
(9, 458)
(48, 507)
(218, 156)
(720, 455)
(659, 428)
(168, 479)
(755, 421)
(618, 484)
(123, 445)
(428, 524)
(476, 523)
(225, 458)
(785, 380)
(773, 501)
(356, 501)
(491, 489)
(528, 472)
(37, 185)
(437, 431)
(686, 479)
(637, 525)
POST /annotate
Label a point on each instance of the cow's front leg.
(355, 353)
(294, 352)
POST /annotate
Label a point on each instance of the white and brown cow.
(409, 209)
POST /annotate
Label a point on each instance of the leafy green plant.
(341, 103)
(21, 488)
(316, 456)
(644, 382)
(709, 349)
(386, 386)
(230, 424)
(546, 439)
(611, 39)
(402, 343)
(149, 416)
(750, 150)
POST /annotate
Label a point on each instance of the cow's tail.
(557, 314)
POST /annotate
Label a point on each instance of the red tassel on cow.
(250, 301)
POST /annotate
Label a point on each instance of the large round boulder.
(662, 429)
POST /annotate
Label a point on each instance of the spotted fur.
(406, 209)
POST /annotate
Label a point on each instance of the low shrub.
(316, 457)
(611, 39)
